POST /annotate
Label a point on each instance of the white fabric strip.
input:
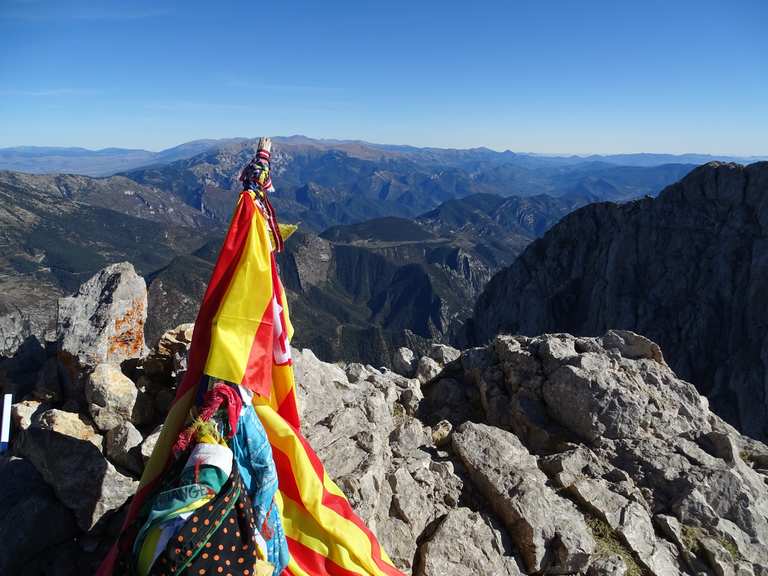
(211, 455)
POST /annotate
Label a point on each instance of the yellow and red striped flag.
(242, 335)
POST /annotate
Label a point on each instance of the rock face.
(550, 532)
(687, 269)
(104, 321)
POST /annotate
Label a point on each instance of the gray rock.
(15, 327)
(356, 372)
(25, 413)
(65, 453)
(610, 565)
(404, 362)
(427, 369)
(33, 521)
(443, 354)
(104, 321)
(373, 447)
(148, 446)
(70, 424)
(548, 530)
(122, 445)
(111, 396)
(626, 439)
(467, 543)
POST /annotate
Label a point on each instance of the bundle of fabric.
(301, 523)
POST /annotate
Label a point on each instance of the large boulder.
(33, 521)
(404, 362)
(122, 445)
(65, 450)
(104, 321)
(688, 269)
(111, 396)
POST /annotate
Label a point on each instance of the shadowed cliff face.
(689, 269)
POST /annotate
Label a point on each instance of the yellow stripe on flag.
(243, 308)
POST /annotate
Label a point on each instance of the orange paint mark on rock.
(128, 338)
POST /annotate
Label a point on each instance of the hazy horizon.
(352, 140)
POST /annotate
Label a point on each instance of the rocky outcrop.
(686, 269)
(104, 321)
(632, 446)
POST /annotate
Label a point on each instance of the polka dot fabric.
(217, 540)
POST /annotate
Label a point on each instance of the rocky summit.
(551, 454)
(687, 269)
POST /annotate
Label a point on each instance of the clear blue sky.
(552, 76)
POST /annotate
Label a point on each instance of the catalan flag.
(242, 335)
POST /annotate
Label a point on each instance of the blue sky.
(551, 76)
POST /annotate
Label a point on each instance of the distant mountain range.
(322, 183)
(108, 161)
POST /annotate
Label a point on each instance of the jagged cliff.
(688, 269)
(545, 455)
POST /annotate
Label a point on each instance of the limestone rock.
(467, 543)
(631, 443)
(404, 362)
(443, 354)
(548, 530)
(111, 396)
(366, 435)
(610, 565)
(64, 451)
(122, 445)
(69, 424)
(149, 443)
(427, 369)
(26, 413)
(104, 321)
(33, 521)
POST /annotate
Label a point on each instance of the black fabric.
(217, 539)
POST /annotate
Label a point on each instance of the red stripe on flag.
(289, 410)
(342, 508)
(258, 371)
(286, 479)
(314, 562)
